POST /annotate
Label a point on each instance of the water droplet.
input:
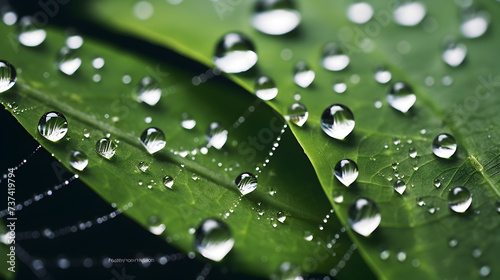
(360, 12)
(74, 42)
(452, 243)
(143, 10)
(246, 183)
(155, 226)
(168, 181)
(303, 76)
(153, 139)
(437, 183)
(98, 62)
(216, 135)
(498, 205)
(308, 236)
(409, 13)
(382, 75)
(213, 239)
(459, 199)
(337, 121)
(364, 216)
(8, 76)
(298, 114)
(334, 59)
(484, 271)
(289, 271)
(384, 255)
(454, 54)
(143, 166)
(476, 253)
(474, 23)
(29, 34)
(275, 17)
(399, 186)
(9, 17)
(265, 88)
(53, 126)
(412, 152)
(444, 145)
(78, 160)
(187, 121)
(346, 171)
(235, 53)
(339, 87)
(148, 91)
(68, 61)
(106, 148)
(281, 217)
(401, 97)
(401, 256)
(337, 196)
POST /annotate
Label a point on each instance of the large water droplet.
(168, 181)
(346, 171)
(265, 88)
(106, 147)
(29, 34)
(303, 76)
(334, 59)
(148, 91)
(235, 53)
(364, 216)
(454, 54)
(68, 61)
(337, 121)
(474, 23)
(360, 12)
(246, 183)
(53, 126)
(78, 160)
(399, 186)
(459, 199)
(8, 76)
(213, 239)
(153, 139)
(409, 13)
(216, 135)
(298, 114)
(444, 145)
(401, 97)
(382, 75)
(275, 17)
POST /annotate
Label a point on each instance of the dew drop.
(337, 121)
(497, 204)
(364, 216)
(484, 271)
(308, 236)
(412, 152)
(346, 171)
(29, 34)
(53, 126)
(246, 183)
(106, 147)
(399, 187)
(437, 183)
(153, 139)
(9, 17)
(409, 13)
(235, 53)
(213, 239)
(382, 75)
(298, 114)
(339, 87)
(68, 61)
(143, 166)
(74, 42)
(168, 181)
(187, 122)
(148, 91)
(98, 62)
(216, 135)
(444, 145)
(401, 256)
(476, 253)
(459, 199)
(337, 196)
(360, 12)
(303, 76)
(265, 88)
(333, 58)
(384, 255)
(474, 23)
(78, 160)
(401, 97)
(155, 226)
(8, 76)
(281, 217)
(454, 54)
(275, 17)
(452, 243)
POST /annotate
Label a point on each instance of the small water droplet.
(8, 76)
(235, 53)
(401, 256)
(346, 171)
(143, 10)
(68, 61)
(444, 145)
(281, 217)
(437, 183)
(216, 135)
(384, 255)
(74, 42)
(454, 54)
(412, 152)
(246, 183)
(187, 122)
(153, 139)
(364, 216)
(53, 126)
(213, 239)
(339, 87)
(337, 196)
(98, 62)
(399, 186)
(498, 205)
(337, 121)
(382, 75)
(148, 91)
(78, 160)
(168, 181)
(360, 12)
(476, 253)
(106, 147)
(474, 23)
(155, 226)
(298, 114)
(275, 17)
(9, 17)
(452, 243)
(265, 88)
(29, 34)
(401, 97)
(484, 271)
(143, 166)
(333, 58)
(459, 199)
(308, 236)
(409, 13)
(303, 76)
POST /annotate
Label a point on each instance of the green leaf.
(204, 184)
(462, 101)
